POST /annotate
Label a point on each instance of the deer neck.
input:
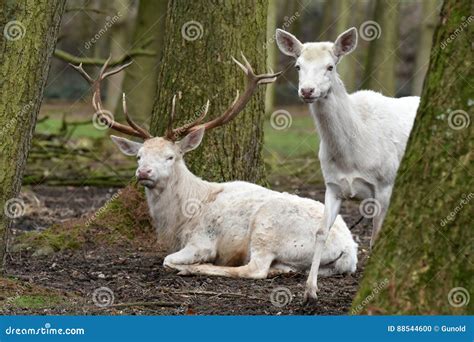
(172, 206)
(338, 124)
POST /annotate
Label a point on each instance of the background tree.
(382, 57)
(207, 34)
(427, 27)
(271, 48)
(422, 262)
(140, 79)
(30, 30)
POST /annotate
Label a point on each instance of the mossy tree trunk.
(382, 56)
(423, 258)
(201, 37)
(140, 79)
(29, 32)
(271, 48)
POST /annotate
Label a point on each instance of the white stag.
(363, 135)
(234, 229)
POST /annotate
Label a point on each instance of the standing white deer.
(363, 135)
(234, 229)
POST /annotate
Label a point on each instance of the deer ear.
(346, 42)
(192, 140)
(288, 44)
(128, 147)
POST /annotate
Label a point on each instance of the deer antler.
(133, 129)
(253, 81)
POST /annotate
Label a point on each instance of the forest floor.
(138, 282)
(68, 279)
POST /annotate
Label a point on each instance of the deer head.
(158, 157)
(316, 62)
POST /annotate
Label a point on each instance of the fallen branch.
(70, 58)
(162, 304)
(217, 294)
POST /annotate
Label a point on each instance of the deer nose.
(144, 173)
(307, 92)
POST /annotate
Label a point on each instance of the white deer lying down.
(363, 135)
(234, 229)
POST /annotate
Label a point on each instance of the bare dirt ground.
(140, 285)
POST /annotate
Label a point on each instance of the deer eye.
(330, 67)
(297, 67)
(138, 157)
(170, 158)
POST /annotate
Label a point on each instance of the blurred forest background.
(392, 57)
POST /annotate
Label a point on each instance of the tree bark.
(271, 47)
(201, 37)
(422, 262)
(30, 30)
(382, 56)
(140, 79)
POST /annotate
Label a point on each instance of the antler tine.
(83, 73)
(132, 123)
(170, 133)
(253, 81)
(107, 117)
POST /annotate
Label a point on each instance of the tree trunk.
(382, 56)
(201, 37)
(422, 262)
(140, 79)
(30, 30)
(119, 44)
(430, 19)
(344, 14)
(271, 47)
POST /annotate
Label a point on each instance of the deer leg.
(332, 204)
(190, 254)
(383, 200)
(257, 268)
